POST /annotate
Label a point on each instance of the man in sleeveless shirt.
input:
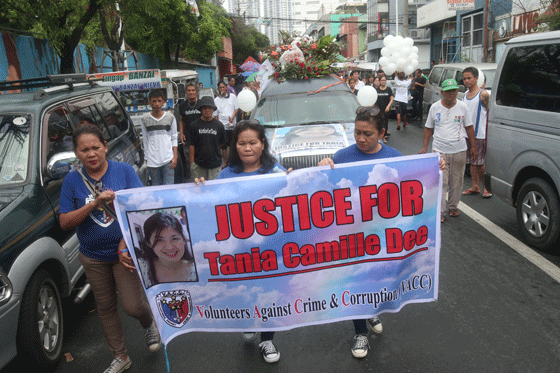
(477, 103)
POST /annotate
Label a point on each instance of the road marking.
(524, 250)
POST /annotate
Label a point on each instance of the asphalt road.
(496, 312)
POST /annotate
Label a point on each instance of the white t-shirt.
(401, 89)
(226, 107)
(449, 127)
(159, 137)
(360, 85)
(473, 104)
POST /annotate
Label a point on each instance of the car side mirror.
(60, 165)
(462, 88)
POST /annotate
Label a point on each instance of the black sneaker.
(360, 347)
(374, 324)
(153, 339)
(269, 352)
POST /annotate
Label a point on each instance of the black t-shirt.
(208, 139)
(383, 98)
(189, 113)
(417, 89)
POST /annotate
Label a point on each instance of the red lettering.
(286, 204)
(256, 259)
(411, 196)
(409, 240)
(342, 206)
(241, 218)
(270, 263)
(318, 202)
(288, 251)
(394, 240)
(212, 262)
(388, 196)
(344, 294)
(303, 212)
(223, 223)
(227, 265)
(422, 236)
(373, 245)
(268, 224)
(367, 202)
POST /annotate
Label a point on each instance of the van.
(439, 73)
(523, 153)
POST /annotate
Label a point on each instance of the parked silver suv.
(523, 155)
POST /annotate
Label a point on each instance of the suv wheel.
(40, 328)
(537, 213)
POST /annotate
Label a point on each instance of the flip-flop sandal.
(454, 213)
(443, 218)
(469, 192)
(487, 195)
(398, 128)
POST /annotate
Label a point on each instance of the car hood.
(331, 136)
(8, 195)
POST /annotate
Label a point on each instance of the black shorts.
(401, 107)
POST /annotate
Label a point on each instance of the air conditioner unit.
(417, 33)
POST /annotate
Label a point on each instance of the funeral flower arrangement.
(302, 57)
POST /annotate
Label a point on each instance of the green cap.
(449, 84)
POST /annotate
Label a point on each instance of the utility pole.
(405, 19)
(485, 49)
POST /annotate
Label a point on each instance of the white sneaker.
(269, 352)
(360, 347)
(248, 336)
(374, 324)
(118, 365)
(153, 339)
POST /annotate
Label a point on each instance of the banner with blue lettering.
(277, 251)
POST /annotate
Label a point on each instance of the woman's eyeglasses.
(371, 111)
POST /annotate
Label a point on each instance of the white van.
(523, 154)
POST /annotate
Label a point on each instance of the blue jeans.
(162, 175)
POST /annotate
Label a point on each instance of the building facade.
(387, 17)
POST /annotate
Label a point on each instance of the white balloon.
(406, 51)
(391, 68)
(401, 64)
(408, 69)
(399, 39)
(367, 96)
(414, 56)
(408, 42)
(246, 100)
(481, 78)
(384, 61)
(414, 49)
(385, 52)
(414, 64)
(388, 40)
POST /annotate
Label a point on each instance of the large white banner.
(277, 251)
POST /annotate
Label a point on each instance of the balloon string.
(327, 86)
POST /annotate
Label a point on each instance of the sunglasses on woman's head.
(253, 122)
(371, 111)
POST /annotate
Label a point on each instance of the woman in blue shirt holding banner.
(250, 155)
(86, 205)
(369, 131)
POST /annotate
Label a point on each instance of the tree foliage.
(166, 28)
(551, 16)
(62, 22)
(246, 41)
